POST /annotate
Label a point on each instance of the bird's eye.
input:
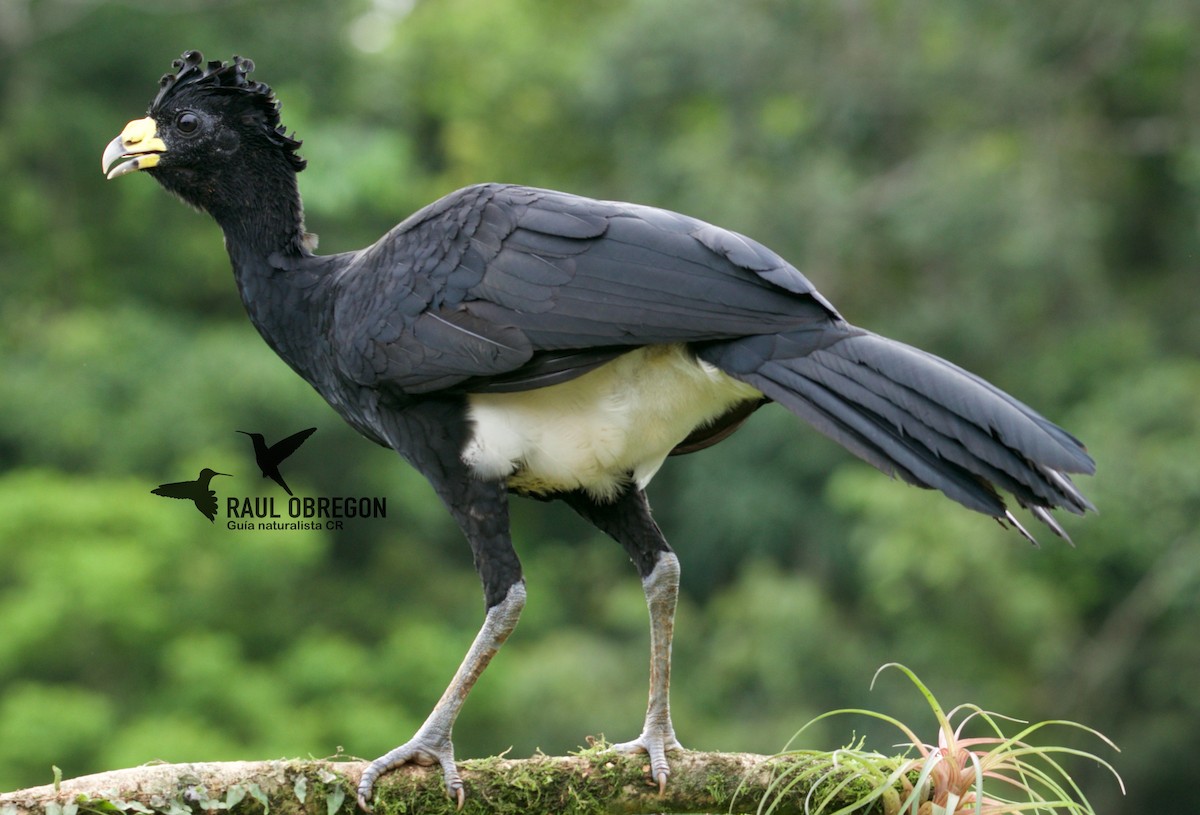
(187, 122)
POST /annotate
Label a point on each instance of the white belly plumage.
(597, 431)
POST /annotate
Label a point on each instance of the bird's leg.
(431, 743)
(481, 510)
(627, 519)
(658, 734)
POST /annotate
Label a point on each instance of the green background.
(1014, 186)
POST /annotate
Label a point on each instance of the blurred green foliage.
(1015, 186)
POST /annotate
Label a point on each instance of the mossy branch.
(591, 782)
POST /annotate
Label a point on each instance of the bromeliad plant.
(985, 775)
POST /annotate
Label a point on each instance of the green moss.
(585, 786)
(591, 782)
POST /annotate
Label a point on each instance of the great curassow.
(506, 339)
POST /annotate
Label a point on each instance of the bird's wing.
(176, 489)
(499, 287)
(207, 504)
(285, 447)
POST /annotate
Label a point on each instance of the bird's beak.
(139, 144)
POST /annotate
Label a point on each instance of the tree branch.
(589, 783)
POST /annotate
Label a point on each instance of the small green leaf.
(334, 800)
(234, 795)
(57, 777)
(258, 795)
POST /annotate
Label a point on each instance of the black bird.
(269, 458)
(195, 491)
(514, 340)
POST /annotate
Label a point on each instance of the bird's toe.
(655, 745)
(423, 751)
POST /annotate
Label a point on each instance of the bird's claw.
(655, 745)
(423, 751)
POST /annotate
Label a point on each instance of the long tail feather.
(918, 417)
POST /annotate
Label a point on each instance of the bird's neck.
(281, 282)
(262, 216)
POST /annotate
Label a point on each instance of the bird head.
(209, 128)
(206, 474)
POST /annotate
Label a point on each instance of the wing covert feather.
(479, 283)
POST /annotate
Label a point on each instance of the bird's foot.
(423, 749)
(654, 743)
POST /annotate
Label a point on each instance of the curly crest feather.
(194, 74)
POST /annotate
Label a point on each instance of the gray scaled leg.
(431, 743)
(423, 435)
(627, 519)
(658, 734)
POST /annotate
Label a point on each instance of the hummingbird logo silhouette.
(269, 458)
(195, 491)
